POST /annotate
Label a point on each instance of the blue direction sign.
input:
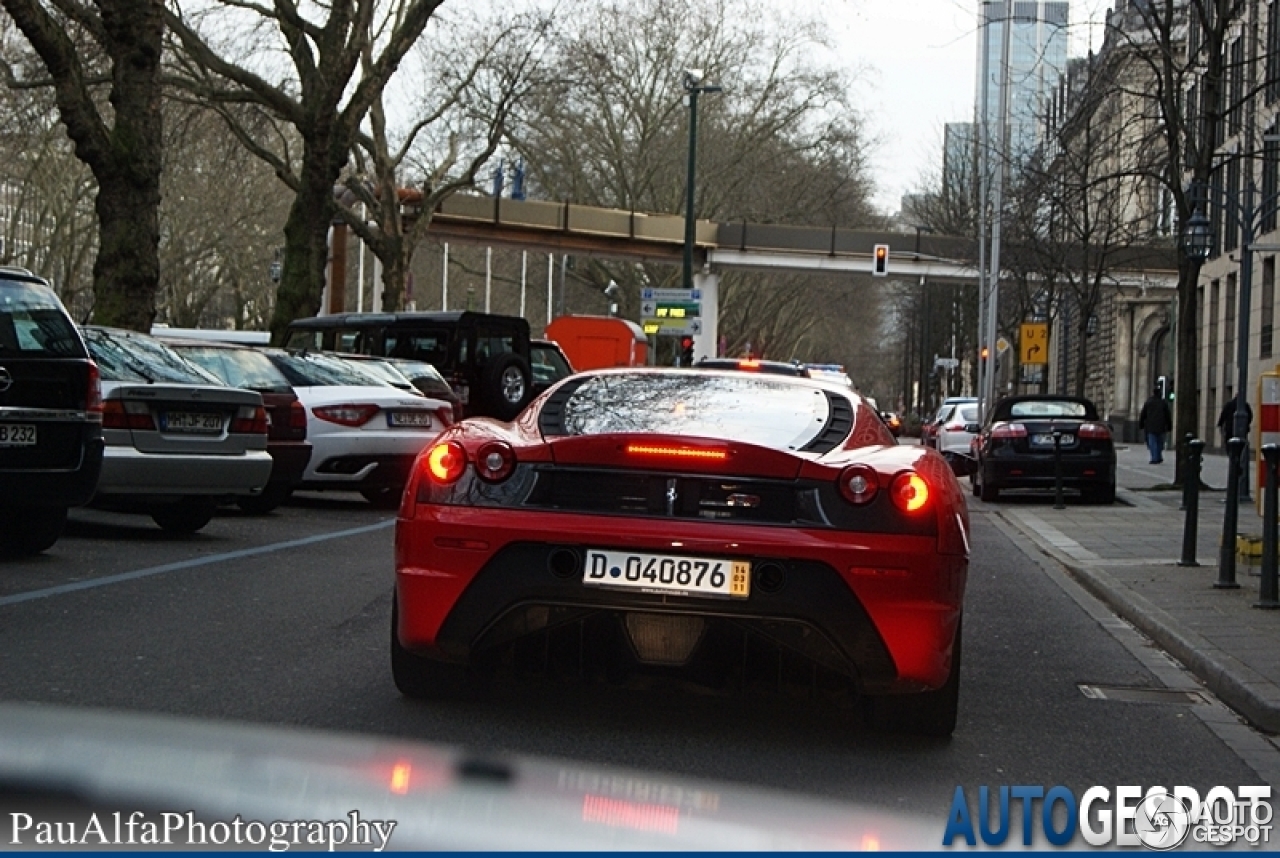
(671, 312)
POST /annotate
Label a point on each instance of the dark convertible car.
(1015, 448)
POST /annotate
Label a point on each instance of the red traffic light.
(686, 342)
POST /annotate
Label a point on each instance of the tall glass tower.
(1037, 58)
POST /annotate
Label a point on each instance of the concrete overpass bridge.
(568, 228)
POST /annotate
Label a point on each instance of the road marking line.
(108, 580)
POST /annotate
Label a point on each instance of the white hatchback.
(364, 433)
(957, 427)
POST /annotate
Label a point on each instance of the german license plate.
(658, 573)
(411, 419)
(1046, 440)
(17, 435)
(191, 422)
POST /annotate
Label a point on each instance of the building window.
(1215, 305)
(1273, 53)
(1229, 332)
(1215, 214)
(1268, 306)
(1231, 236)
(1235, 92)
(1270, 178)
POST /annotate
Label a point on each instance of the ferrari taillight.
(859, 484)
(673, 452)
(1094, 432)
(446, 461)
(909, 491)
(495, 461)
(347, 415)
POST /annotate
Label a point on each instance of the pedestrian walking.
(1155, 420)
(1227, 420)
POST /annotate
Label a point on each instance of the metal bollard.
(1191, 501)
(1186, 485)
(1230, 520)
(1057, 470)
(1267, 595)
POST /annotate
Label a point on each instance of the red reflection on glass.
(617, 813)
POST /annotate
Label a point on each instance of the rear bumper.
(57, 487)
(354, 472)
(127, 471)
(289, 460)
(1039, 472)
(880, 608)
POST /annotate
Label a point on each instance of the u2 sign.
(1033, 343)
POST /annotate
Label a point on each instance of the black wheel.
(186, 516)
(387, 497)
(422, 678)
(973, 484)
(506, 386)
(986, 491)
(931, 713)
(272, 496)
(31, 531)
(1100, 494)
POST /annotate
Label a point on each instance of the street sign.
(946, 363)
(1033, 343)
(1002, 345)
(671, 312)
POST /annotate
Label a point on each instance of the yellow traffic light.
(880, 266)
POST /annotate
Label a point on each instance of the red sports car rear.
(689, 521)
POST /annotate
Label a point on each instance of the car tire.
(1104, 495)
(988, 492)
(421, 678)
(387, 497)
(272, 496)
(506, 386)
(186, 516)
(931, 713)
(973, 484)
(32, 531)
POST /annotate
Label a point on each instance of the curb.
(1234, 683)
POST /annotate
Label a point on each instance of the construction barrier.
(1267, 429)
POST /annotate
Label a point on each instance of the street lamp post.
(1197, 243)
(693, 87)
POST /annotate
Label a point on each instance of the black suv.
(484, 356)
(50, 415)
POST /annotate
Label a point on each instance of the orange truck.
(598, 342)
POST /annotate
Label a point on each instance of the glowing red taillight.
(446, 461)
(1008, 431)
(1094, 431)
(859, 484)
(250, 420)
(93, 393)
(495, 461)
(909, 491)
(677, 452)
(117, 414)
(353, 414)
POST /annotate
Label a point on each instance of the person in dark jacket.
(1155, 420)
(1227, 420)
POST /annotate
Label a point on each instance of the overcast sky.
(919, 58)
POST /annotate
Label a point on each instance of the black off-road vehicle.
(484, 356)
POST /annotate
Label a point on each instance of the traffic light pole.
(997, 206)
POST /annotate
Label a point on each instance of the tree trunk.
(127, 270)
(1082, 354)
(306, 237)
(1187, 397)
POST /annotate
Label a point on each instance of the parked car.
(956, 429)
(729, 525)
(1015, 448)
(364, 433)
(832, 372)
(248, 368)
(929, 429)
(429, 382)
(548, 364)
(50, 415)
(485, 357)
(178, 440)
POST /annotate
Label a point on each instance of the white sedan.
(957, 427)
(364, 433)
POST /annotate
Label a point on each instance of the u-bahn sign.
(671, 312)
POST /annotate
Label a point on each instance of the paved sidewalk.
(1126, 555)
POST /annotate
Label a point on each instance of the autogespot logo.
(1157, 818)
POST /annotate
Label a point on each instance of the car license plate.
(17, 435)
(412, 419)
(1046, 440)
(191, 423)
(657, 573)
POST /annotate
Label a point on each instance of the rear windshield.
(135, 357)
(309, 370)
(1048, 408)
(246, 368)
(768, 411)
(384, 371)
(969, 413)
(424, 376)
(33, 323)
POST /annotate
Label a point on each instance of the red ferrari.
(720, 524)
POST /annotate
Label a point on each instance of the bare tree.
(102, 62)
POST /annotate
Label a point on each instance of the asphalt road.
(285, 620)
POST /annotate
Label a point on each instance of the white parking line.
(108, 580)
